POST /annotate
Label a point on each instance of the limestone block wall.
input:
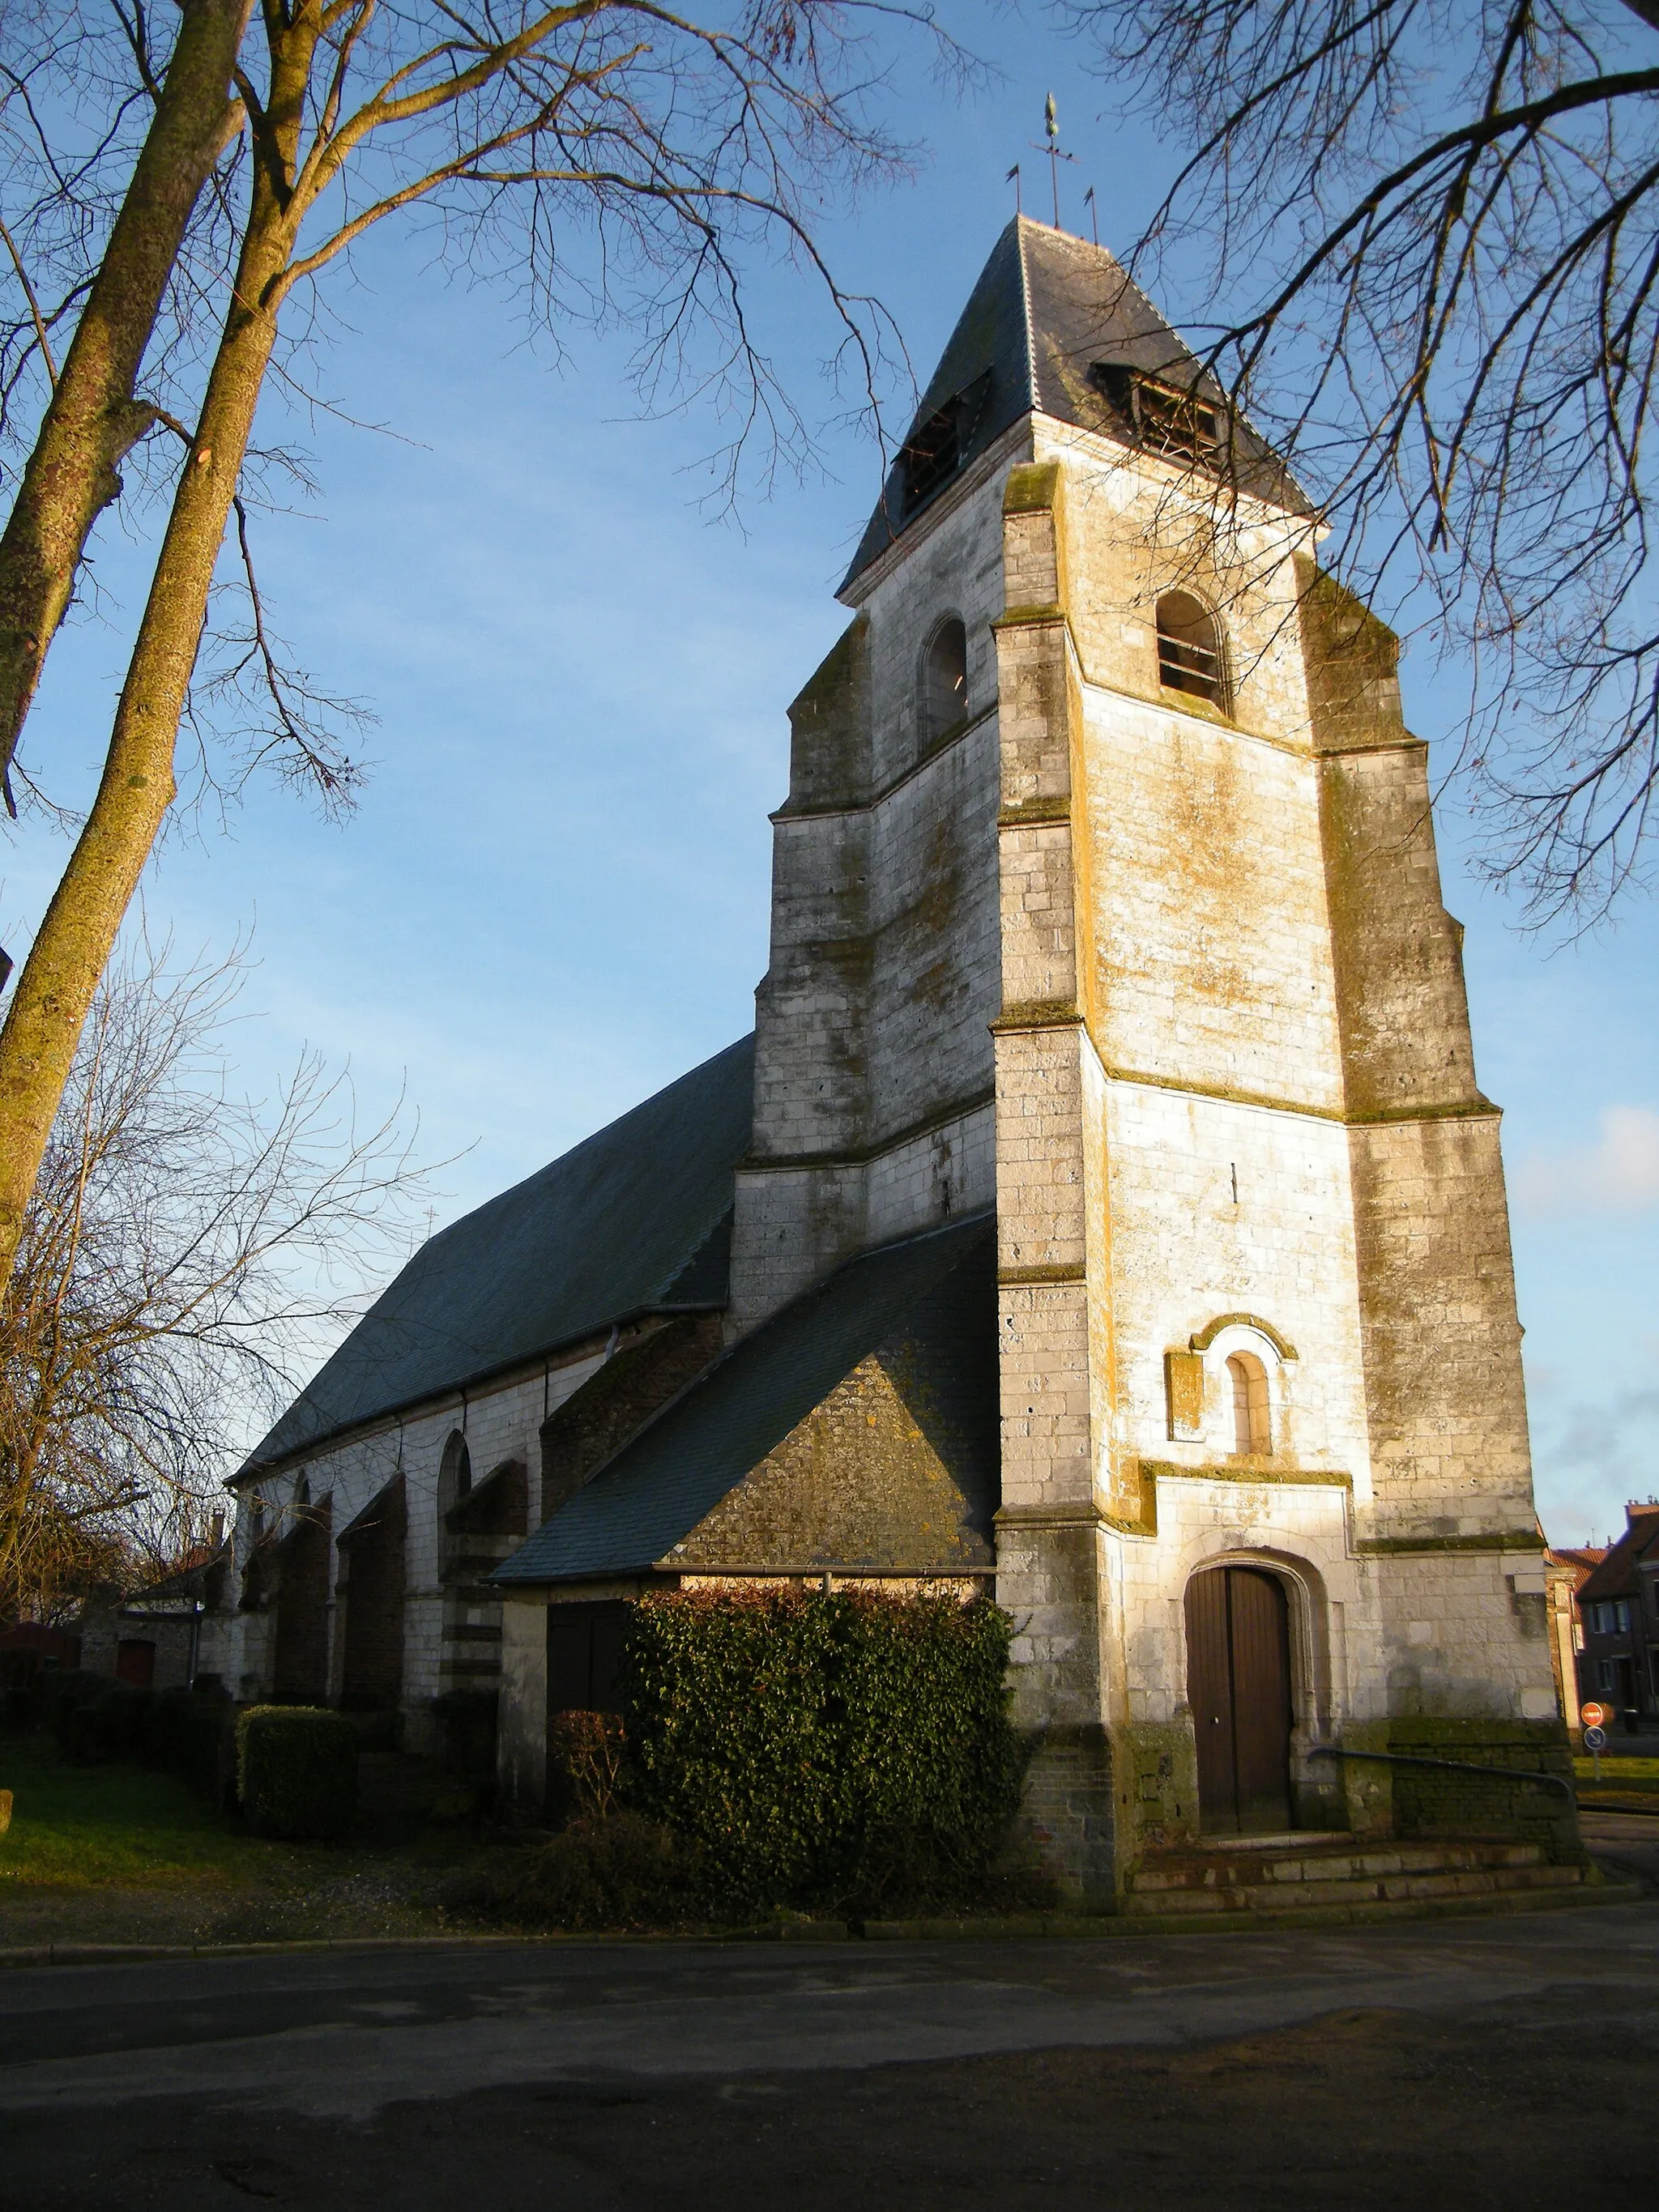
(949, 1169)
(1446, 1406)
(1466, 1634)
(1219, 1208)
(1133, 529)
(1052, 1231)
(873, 1065)
(1211, 934)
(1235, 1110)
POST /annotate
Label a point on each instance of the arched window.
(944, 680)
(1252, 1419)
(1189, 649)
(454, 1473)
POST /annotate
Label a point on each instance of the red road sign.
(1595, 1716)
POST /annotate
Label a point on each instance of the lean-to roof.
(652, 1494)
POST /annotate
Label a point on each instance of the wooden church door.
(1238, 1685)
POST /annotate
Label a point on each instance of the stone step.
(1398, 1889)
(1232, 1868)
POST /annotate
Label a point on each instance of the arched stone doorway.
(1238, 1686)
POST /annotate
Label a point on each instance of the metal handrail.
(1452, 1766)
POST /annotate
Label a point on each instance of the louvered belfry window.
(1166, 418)
(945, 678)
(1190, 658)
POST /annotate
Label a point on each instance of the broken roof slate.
(1047, 308)
(633, 1220)
(652, 1492)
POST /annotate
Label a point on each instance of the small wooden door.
(1238, 1685)
(135, 1661)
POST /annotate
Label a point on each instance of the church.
(1104, 1214)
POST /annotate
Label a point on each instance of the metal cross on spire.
(1050, 146)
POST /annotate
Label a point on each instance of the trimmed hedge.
(851, 1750)
(296, 1771)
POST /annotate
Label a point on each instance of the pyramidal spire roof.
(1050, 319)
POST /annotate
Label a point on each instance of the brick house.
(1104, 1210)
(153, 1636)
(1566, 1568)
(1619, 1608)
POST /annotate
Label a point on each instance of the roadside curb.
(1058, 1927)
(1096, 1927)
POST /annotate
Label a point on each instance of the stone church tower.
(1105, 896)
(1104, 1210)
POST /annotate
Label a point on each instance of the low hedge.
(851, 1752)
(189, 1733)
(94, 1718)
(296, 1771)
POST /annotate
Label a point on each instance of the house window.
(1621, 1616)
(1190, 650)
(945, 678)
(1604, 1674)
(1252, 1426)
(1166, 419)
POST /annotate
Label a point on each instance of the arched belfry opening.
(944, 680)
(1253, 1435)
(1238, 1686)
(1191, 656)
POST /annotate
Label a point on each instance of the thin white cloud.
(1618, 1174)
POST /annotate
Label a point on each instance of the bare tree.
(186, 1254)
(670, 147)
(1433, 227)
(110, 269)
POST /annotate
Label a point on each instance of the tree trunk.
(55, 990)
(93, 417)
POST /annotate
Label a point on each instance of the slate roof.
(1046, 308)
(1615, 1573)
(652, 1494)
(636, 1219)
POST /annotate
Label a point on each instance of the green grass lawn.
(1622, 1771)
(83, 1826)
(116, 1854)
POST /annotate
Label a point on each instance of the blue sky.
(553, 897)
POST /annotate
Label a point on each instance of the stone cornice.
(786, 814)
(862, 1155)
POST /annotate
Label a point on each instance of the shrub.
(586, 1753)
(22, 1708)
(618, 1871)
(296, 1771)
(95, 1717)
(851, 1752)
(184, 1732)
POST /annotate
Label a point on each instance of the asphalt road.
(1472, 2063)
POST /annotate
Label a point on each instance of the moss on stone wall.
(1419, 1801)
(829, 723)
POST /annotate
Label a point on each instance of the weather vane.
(1050, 146)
